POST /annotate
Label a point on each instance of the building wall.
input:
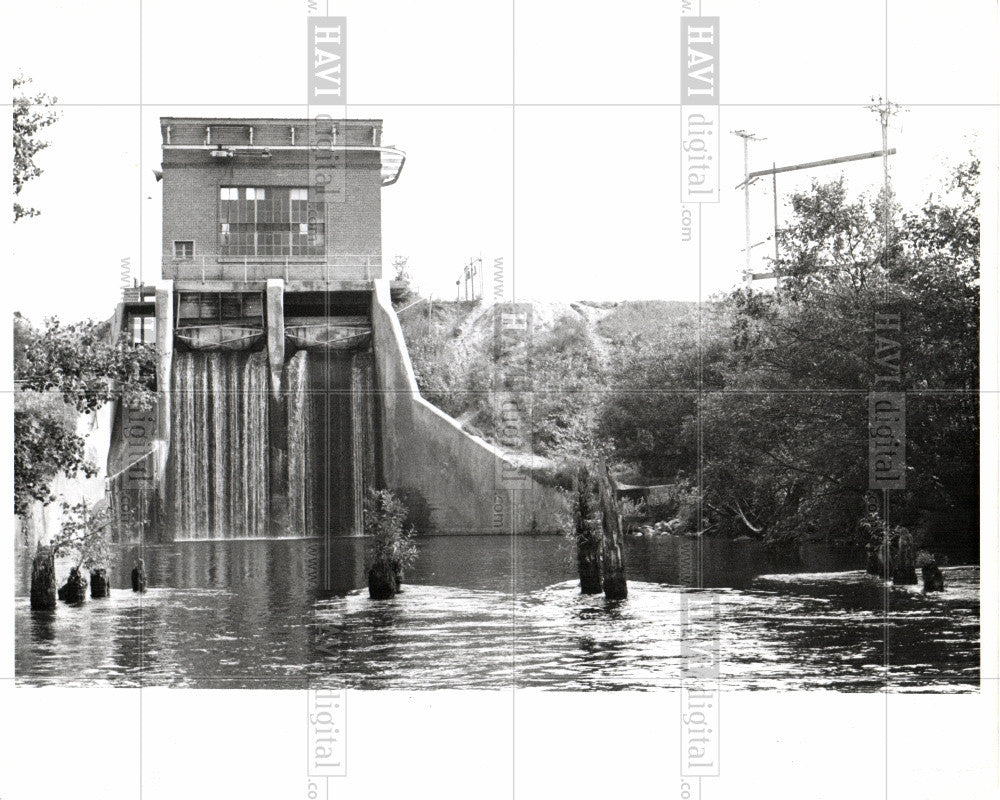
(467, 483)
(191, 182)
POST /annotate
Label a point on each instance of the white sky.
(577, 187)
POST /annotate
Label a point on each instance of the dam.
(284, 388)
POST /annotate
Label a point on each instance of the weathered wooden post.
(139, 576)
(382, 581)
(43, 578)
(587, 521)
(904, 570)
(612, 548)
(99, 584)
(74, 591)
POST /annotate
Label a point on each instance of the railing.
(341, 267)
(108, 480)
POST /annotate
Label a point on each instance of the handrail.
(122, 471)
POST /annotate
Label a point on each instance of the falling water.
(331, 440)
(219, 445)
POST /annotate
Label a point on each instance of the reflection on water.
(489, 612)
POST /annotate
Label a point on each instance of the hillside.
(571, 359)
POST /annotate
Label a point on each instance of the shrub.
(389, 545)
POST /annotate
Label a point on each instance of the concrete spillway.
(332, 444)
(283, 441)
(218, 481)
(222, 477)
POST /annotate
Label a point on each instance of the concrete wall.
(468, 484)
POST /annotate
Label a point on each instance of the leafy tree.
(61, 372)
(32, 113)
(45, 445)
(85, 533)
(88, 530)
(389, 543)
(778, 433)
(80, 362)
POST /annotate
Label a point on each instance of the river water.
(495, 612)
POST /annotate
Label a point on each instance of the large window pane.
(270, 221)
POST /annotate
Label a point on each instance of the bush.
(388, 544)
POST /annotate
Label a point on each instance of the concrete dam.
(284, 388)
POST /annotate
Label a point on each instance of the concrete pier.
(277, 409)
(276, 332)
(164, 364)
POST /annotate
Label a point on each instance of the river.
(495, 612)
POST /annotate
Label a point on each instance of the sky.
(550, 140)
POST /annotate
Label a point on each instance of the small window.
(299, 194)
(143, 330)
(184, 250)
(229, 193)
(255, 194)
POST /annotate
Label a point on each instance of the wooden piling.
(613, 540)
(588, 533)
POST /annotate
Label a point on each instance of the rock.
(381, 582)
(43, 579)
(139, 576)
(933, 579)
(99, 584)
(75, 589)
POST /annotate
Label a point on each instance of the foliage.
(85, 533)
(388, 543)
(400, 268)
(565, 399)
(79, 361)
(32, 113)
(45, 444)
(766, 396)
(88, 530)
(462, 372)
(63, 371)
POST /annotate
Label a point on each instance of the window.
(143, 330)
(184, 250)
(271, 221)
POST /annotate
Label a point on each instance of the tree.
(778, 433)
(61, 372)
(45, 445)
(85, 533)
(79, 361)
(32, 113)
(390, 548)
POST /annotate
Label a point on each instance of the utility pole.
(746, 137)
(885, 110)
(885, 152)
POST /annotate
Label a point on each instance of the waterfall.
(332, 445)
(219, 445)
